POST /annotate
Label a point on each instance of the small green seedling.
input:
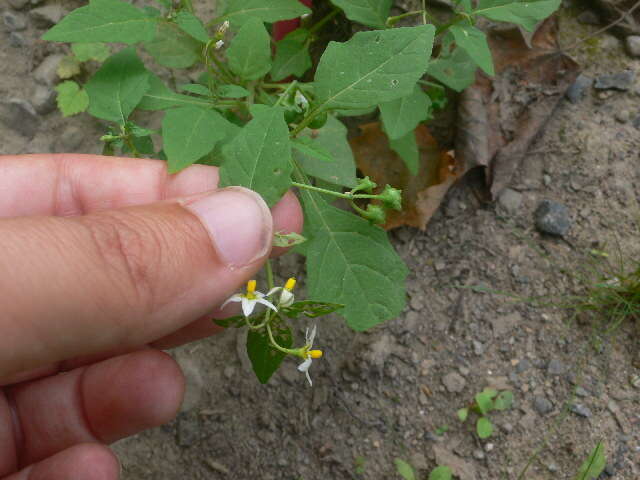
(594, 465)
(360, 463)
(485, 402)
(407, 472)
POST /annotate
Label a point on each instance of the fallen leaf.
(421, 193)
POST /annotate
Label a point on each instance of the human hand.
(105, 260)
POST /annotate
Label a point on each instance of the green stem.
(279, 86)
(321, 23)
(347, 196)
(305, 121)
(391, 21)
(269, 271)
(223, 69)
(288, 351)
(286, 92)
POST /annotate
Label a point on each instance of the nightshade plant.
(270, 124)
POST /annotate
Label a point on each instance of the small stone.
(16, 40)
(20, 116)
(552, 218)
(588, 17)
(478, 454)
(556, 367)
(632, 43)
(546, 179)
(478, 347)
(46, 73)
(507, 427)
(523, 365)
(623, 116)
(622, 81)
(581, 392)
(47, 16)
(44, 99)
(14, 22)
(580, 410)
(542, 405)
(188, 431)
(454, 382)
(552, 467)
(578, 89)
(18, 4)
(489, 447)
(510, 200)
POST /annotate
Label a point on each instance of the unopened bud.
(391, 197)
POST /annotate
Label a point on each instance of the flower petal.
(248, 306)
(273, 290)
(266, 303)
(312, 336)
(234, 298)
(304, 366)
(309, 378)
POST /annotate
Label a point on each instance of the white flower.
(301, 101)
(223, 28)
(250, 299)
(309, 354)
(286, 295)
(219, 44)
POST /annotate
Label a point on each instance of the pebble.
(556, 367)
(14, 22)
(18, 4)
(44, 99)
(552, 467)
(47, 16)
(580, 410)
(510, 200)
(542, 405)
(489, 447)
(523, 365)
(622, 81)
(576, 92)
(632, 43)
(46, 73)
(478, 347)
(581, 392)
(16, 40)
(546, 179)
(623, 116)
(588, 17)
(478, 454)
(552, 218)
(20, 116)
(454, 382)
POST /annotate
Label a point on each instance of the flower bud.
(365, 185)
(375, 214)
(391, 197)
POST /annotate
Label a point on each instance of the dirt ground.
(394, 391)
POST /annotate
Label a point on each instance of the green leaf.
(238, 12)
(456, 70)
(236, 321)
(332, 138)
(259, 157)
(524, 12)
(484, 402)
(441, 473)
(192, 25)
(195, 88)
(91, 51)
(503, 401)
(68, 67)
(118, 86)
(249, 55)
(310, 308)
(484, 427)
(474, 42)
(232, 91)
(190, 133)
(104, 21)
(466, 6)
(310, 147)
(372, 13)
(463, 413)
(71, 98)
(292, 56)
(172, 47)
(143, 145)
(407, 148)
(403, 115)
(373, 67)
(265, 359)
(287, 239)
(404, 469)
(350, 261)
(161, 97)
(594, 465)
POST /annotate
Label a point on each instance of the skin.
(68, 310)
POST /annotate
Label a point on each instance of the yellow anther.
(251, 286)
(315, 353)
(291, 283)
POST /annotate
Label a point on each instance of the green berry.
(318, 121)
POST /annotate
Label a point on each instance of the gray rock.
(556, 367)
(623, 116)
(188, 431)
(636, 122)
(580, 410)
(18, 4)
(46, 73)
(16, 40)
(552, 218)
(588, 17)
(523, 366)
(622, 81)
(47, 16)
(478, 454)
(44, 99)
(70, 139)
(581, 392)
(576, 92)
(20, 116)
(632, 43)
(542, 405)
(478, 347)
(14, 22)
(454, 382)
(510, 200)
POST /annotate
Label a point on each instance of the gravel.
(552, 218)
(580, 410)
(577, 91)
(20, 116)
(556, 367)
(632, 43)
(454, 382)
(542, 405)
(14, 22)
(622, 81)
(47, 16)
(510, 201)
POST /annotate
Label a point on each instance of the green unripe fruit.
(318, 121)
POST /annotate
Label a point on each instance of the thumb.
(123, 278)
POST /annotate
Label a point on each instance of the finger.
(100, 403)
(123, 278)
(80, 462)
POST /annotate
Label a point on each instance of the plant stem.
(288, 351)
(269, 271)
(305, 121)
(391, 21)
(279, 86)
(321, 23)
(286, 92)
(347, 195)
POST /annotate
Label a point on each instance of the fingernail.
(239, 224)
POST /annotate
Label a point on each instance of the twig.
(605, 28)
